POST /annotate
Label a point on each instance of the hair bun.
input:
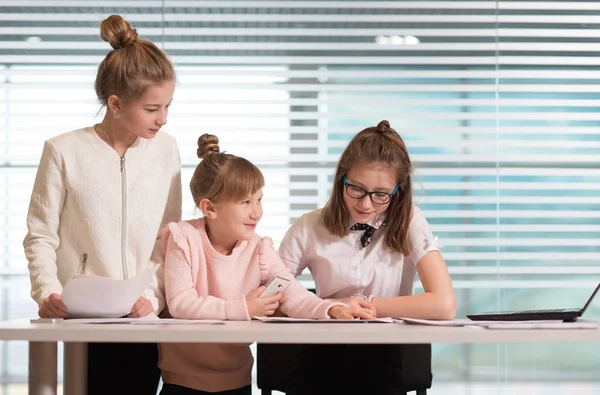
(207, 144)
(383, 127)
(117, 32)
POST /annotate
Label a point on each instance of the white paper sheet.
(101, 297)
(467, 322)
(143, 321)
(387, 320)
(174, 321)
(545, 325)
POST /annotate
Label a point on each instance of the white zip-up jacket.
(95, 213)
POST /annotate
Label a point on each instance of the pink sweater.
(201, 283)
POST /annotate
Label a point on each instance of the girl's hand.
(356, 302)
(258, 306)
(348, 313)
(53, 307)
(141, 308)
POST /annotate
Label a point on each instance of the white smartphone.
(276, 284)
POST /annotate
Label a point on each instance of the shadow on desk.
(275, 361)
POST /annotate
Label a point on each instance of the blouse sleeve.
(292, 248)
(422, 240)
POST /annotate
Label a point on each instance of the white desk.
(43, 340)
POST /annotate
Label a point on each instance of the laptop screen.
(589, 301)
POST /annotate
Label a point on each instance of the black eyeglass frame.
(365, 192)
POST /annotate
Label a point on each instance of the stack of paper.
(549, 324)
(461, 322)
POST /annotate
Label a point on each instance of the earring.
(116, 115)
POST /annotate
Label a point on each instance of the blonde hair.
(221, 177)
(132, 66)
(375, 145)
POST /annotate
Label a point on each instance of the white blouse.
(341, 268)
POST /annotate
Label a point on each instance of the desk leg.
(75, 369)
(42, 368)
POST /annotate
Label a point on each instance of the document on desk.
(544, 325)
(175, 321)
(138, 321)
(386, 320)
(101, 297)
(148, 320)
(467, 322)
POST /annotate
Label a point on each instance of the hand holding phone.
(260, 305)
(276, 284)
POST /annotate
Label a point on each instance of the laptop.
(567, 315)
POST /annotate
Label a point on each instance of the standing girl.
(216, 268)
(101, 196)
(364, 248)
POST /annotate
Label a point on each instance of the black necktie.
(365, 239)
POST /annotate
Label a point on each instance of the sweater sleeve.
(156, 290)
(183, 299)
(296, 300)
(43, 219)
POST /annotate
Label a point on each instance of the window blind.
(496, 100)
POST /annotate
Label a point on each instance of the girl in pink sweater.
(216, 268)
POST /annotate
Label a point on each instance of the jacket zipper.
(123, 219)
(83, 262)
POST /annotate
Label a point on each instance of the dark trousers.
(172, 389)
(347, 369)
(123, 369)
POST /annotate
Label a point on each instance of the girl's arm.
(43, 219)
(183, 300)
(437, 303)
(156, 290)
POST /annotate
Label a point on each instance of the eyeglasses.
(356, 192)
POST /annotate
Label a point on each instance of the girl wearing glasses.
(365, 248)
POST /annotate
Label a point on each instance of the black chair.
(275, 361)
